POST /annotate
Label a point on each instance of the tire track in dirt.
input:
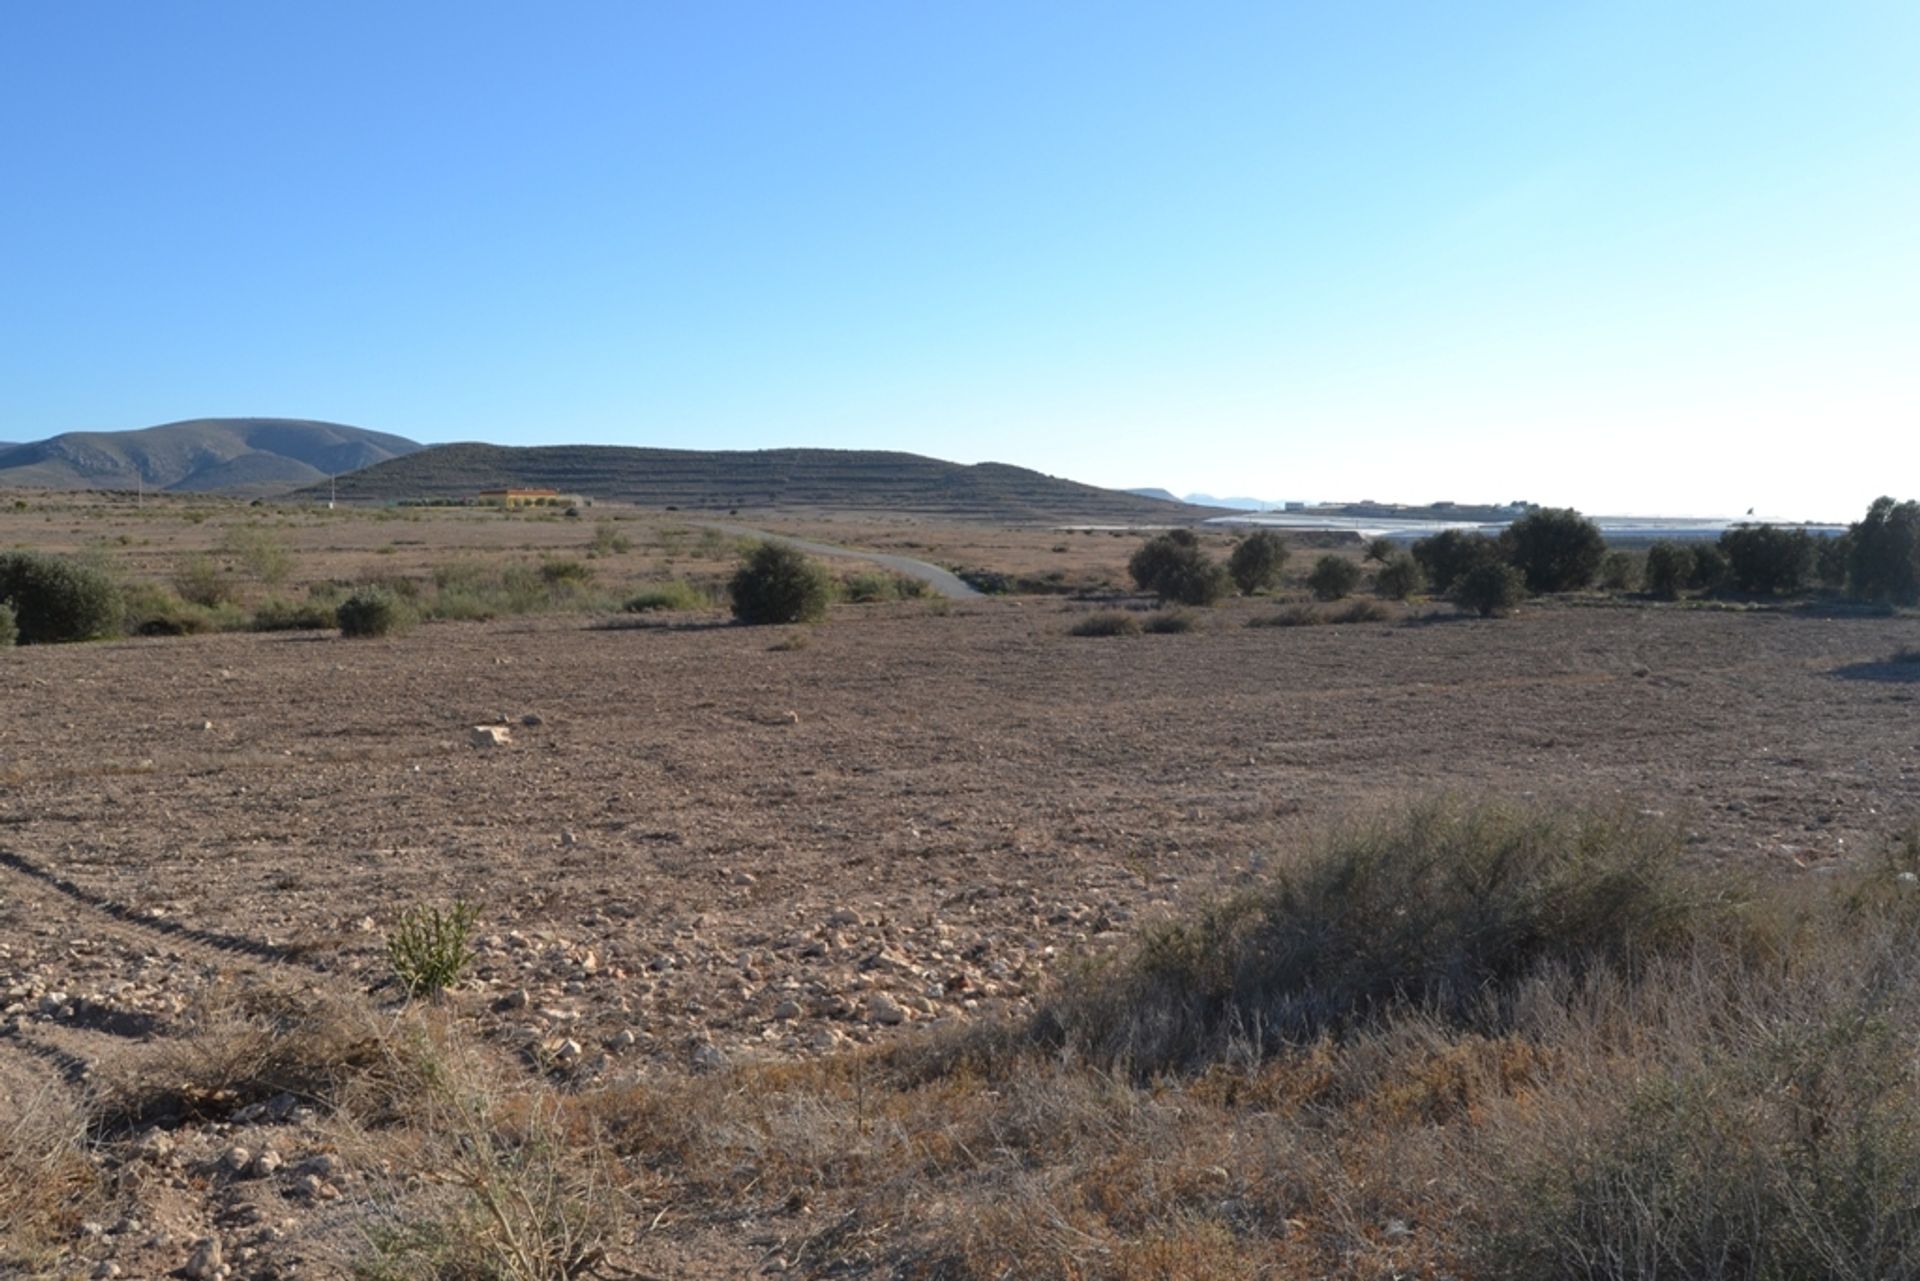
(225, 947)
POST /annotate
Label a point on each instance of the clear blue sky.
(1635, 256)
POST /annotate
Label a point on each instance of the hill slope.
(230, 455)
(711, 480)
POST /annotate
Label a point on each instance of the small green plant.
(1107, 623)
(200, 580)
(1169, 622)
(779, 584)
(1361, 611)
(1333, 577)
(563, 573)
(1379, 550)
(429, 948)
(1256, 563)
(371, 611)
(310, 615)
(608, 540)
(1298, 614)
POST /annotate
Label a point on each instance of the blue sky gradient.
(1639, 257)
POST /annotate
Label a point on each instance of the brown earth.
(703, 845)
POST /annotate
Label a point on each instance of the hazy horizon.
(1633, 258)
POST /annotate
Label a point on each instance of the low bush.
(867, 589)
(148, 609)
(1108, 623)
(779, 584)
(311, 615)
(1448, 555)
(1333, 577)
(1174, 567)
(201, 580)
(565, 573)
(1883, 553)
(1167, 622)
(1444, 911)
(1669, 569)
(1360, 611)
(679, 594)
(1768, 560)
(1619, 572)
(1490, 590)
(1298, 614)
(9, 630)
(1399, 576)
(371, 611)
(1379, 550)
(1257, 560)
(56, 599)
(1556, 548)
(1709, 567)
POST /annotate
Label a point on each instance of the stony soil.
(701, 844)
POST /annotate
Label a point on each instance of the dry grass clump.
(244, 1045)
(1170, 622)
(1441, 911)
(48, 1182)
(1110, 622)
(1486, 1042)
(1305, 614)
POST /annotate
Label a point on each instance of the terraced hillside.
(241, 456)
(787, 479)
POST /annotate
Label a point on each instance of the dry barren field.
(704, 848)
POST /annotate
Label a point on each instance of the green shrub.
(1619, 572)
(261, 552)
(565, 573)
(1448, 555)
(1379, 550)
(371, 611)
(1333, 577)
(57, 599)
(1399, 577)
(678, 594)
(1768, 560)
(867, 589)
(9, 630)
(778, 584)
(1174, 567)
(608, 540)
(1168, 622)
(1669, 569)
(429, 948)
(1709, 567)
(1883, 553)
(1556, 548)
(1490, 590)
(200, 580)
(1445, 910)
(1109, 623)
(151, 610)
(310, 615)
(1256, 563)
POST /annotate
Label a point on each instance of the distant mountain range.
(248, 457)
(304, 460)
(1208, 500)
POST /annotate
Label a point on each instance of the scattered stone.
(204, 1263)
(882, 1008)
(236, 1159)
(486, 736)
(266, 1163)
(532, 720)
(708, 1057)
(787, 1009)
(624, 1039)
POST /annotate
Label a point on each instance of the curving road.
(943, 581)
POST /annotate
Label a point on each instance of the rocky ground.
(693, 845)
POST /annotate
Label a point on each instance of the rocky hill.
(786, 479)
